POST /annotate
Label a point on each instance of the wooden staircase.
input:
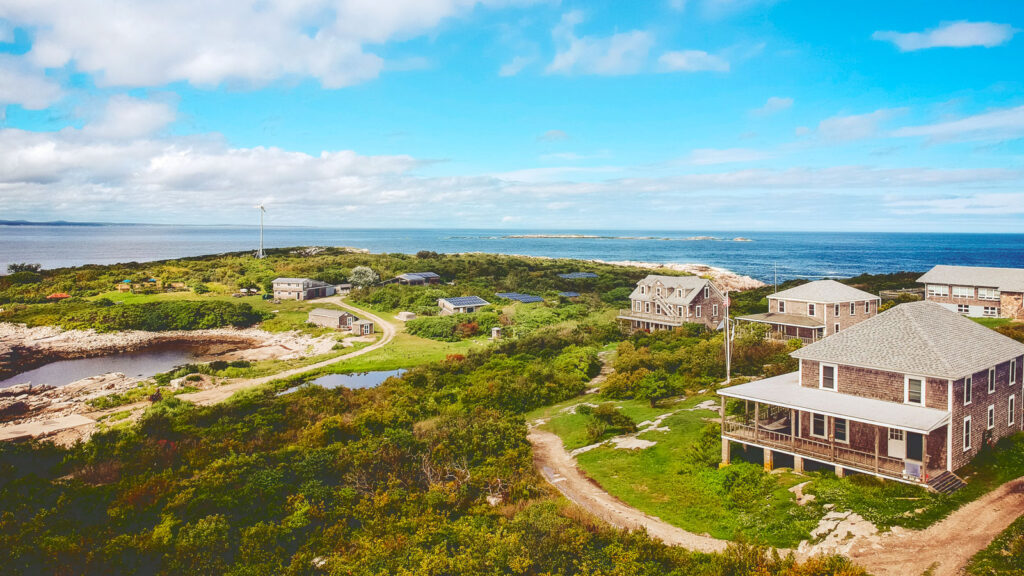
(946, 483)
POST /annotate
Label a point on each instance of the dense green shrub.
(151, 316)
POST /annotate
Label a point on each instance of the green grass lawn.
(992, 322)
(405, 351)
(1005, 555)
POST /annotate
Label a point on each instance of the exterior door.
(915, 448)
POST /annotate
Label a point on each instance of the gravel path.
(221, 393)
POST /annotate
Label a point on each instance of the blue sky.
(667, 114)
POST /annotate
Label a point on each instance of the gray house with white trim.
(815, 310)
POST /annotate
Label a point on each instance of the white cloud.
(960, 34)
(514, 66)
(621, 53)
(205, 43)
(855, 127)
(125, 117)
(772, 105)
(553, 136)
(996, 125)
(23, 85)
(692, 61)
(707, 156)
(990, 204)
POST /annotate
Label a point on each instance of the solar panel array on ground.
(569, 294)
(577, 275)
(526, 298)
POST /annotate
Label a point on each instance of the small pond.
(352, 380)
(142, 363)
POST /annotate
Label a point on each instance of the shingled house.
(334, 319)
(814, 310)
(977, 291)
(665, 302)
(301, 289)
(909, 394)
(461, 305)
(415, 279)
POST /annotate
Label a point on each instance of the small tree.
(14, 268)
(363, 276)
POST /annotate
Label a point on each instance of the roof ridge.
(913, 321)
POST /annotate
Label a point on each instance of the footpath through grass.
(1005, 555)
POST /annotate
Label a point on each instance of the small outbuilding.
(363, 327)
(335, 319)
(406, 316)
(461, 305)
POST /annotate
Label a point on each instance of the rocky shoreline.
(725, 279)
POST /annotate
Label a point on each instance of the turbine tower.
(263, 210)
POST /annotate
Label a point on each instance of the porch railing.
(823, 451)
(650, 317)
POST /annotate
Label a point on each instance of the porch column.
(832, 438)
(792, 427)
(876, 449)
(798, 464)
(924, 457)
(746, 411)
(757, 420)
(839, 471)
(725, 453)
(769, 461)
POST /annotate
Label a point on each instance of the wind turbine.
(263, 210)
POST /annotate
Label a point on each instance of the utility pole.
(260, 253)
(776, 285)
(728, 342)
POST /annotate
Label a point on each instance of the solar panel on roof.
(569, 294)
(460, 301)
(526, 298)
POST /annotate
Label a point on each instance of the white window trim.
(1013, 371)
(811, 310)
(990, 417)
(961, 289)
(837, 309)
(647, 307)
(835, 377)
(867, 307)
(835, 328)
(968, 387)
(698, 310)
(967, 435)
(902, 436)
(813, 416)
(1011, 409)
(714, 310)
(782, 306)
(707, 292)
(847, 441)
(657, 290)
(853, 308)
(906, 389)
(992, 380)
(938, 290)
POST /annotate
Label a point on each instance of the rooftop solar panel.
(460, 301)
(569, 294)
(527, 298)
(577, 275)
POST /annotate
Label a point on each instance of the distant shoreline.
(599, 237)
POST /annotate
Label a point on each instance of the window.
(1011, 410)
(647, 307)
(643, 289)
(991, 417)
(963, 308)
(657, 308)
(988, 294)
(895, 434)
(991, 380)
(967, 433)
(936, 290)
(658, 290)
(698, 310)
(828, 377)
(707, 291)
(837, 327)
(867, 307)
(968, 390)
(782, 306)
(818, 426)
(853, 308)
(914, 390)
(841, 432)
(963, 292)
(714, 310)
(990, 311)
(810, 310)
(837, 309)
(1013, 371)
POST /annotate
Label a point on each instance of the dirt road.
(221, 393)
(948, 544)
(559, 468)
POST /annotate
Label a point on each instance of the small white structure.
(405, 316)
(496, 333)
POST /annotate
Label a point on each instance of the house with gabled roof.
(977, 291)
(415, 279)
(665, 302)
(301, 289)
(461, 305)
(814, 310)
(909, 394)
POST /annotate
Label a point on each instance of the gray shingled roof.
(329, 313)
(921, 338)
(289, 280)
(461, 301)
(786, 391)
(687, 287)
(827, 291)
(787, 319)
(1005, 279)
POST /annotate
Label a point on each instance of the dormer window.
(658, 290)
(782, 306)
(707, 292)
(643, 289)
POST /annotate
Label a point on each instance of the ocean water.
(795, 254)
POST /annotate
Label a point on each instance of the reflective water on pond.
(142, 363)
(352, 380)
